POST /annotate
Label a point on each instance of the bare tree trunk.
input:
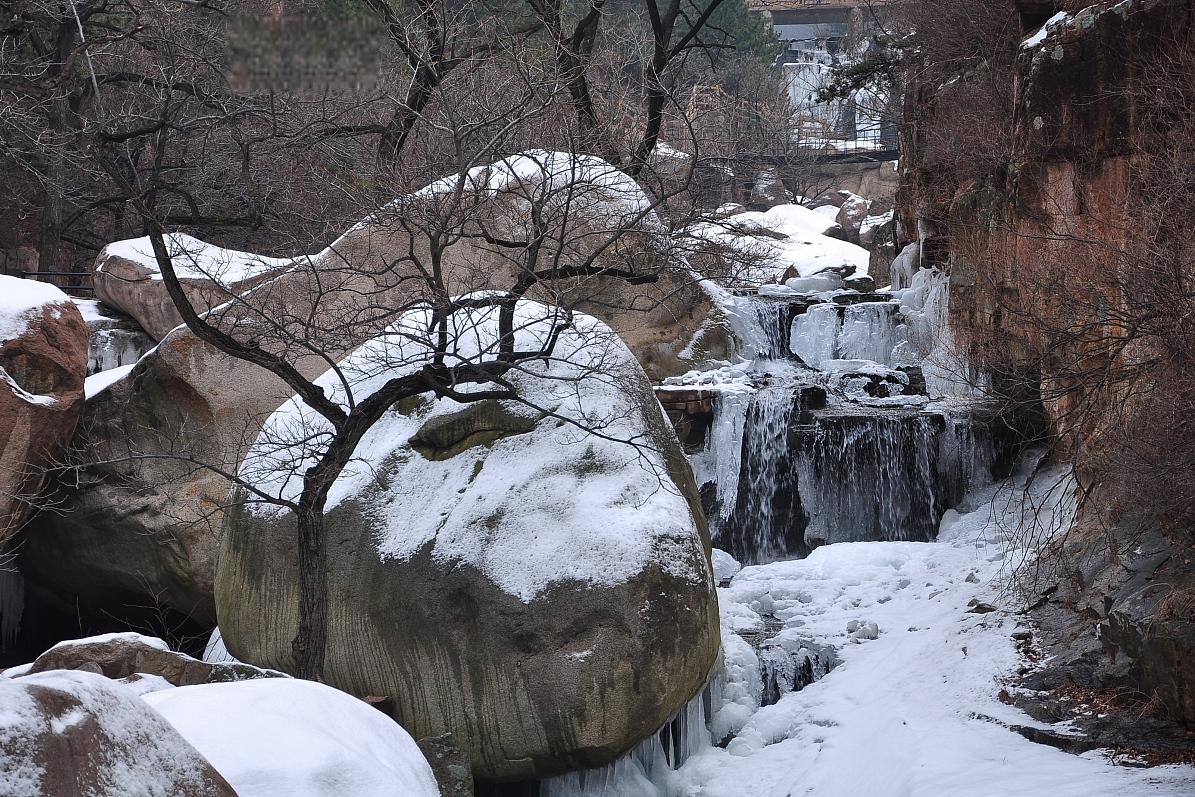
(311, 641)
(49, 231)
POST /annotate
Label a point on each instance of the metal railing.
(70, 282)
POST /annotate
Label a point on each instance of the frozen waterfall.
(649, 770)
(834, 439)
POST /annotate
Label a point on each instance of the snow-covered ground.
(913, 711)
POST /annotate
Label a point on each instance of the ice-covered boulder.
(43, 362)
(504, 573)
(127, 277)
(77, 734)
(291, 738)
(149, 525)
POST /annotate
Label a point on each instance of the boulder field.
(143, 517)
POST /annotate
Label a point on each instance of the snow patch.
(276, 737)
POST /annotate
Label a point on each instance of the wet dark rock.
(449, 764)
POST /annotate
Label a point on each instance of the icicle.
(784, 669)
(649, 769)
(112, 348)
(724, 447)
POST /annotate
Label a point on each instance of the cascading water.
(818, 439)
(875, 464)
(764, 478)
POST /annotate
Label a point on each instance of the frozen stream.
(853, 663)
(911, 712)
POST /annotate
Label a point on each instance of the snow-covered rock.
(151, 526)
(851, 214)
(725, 565)
(124, 655)
(77, 734)
(754, 248)
(577, 563)
(128, 278)
(43, 361)
(290, 738)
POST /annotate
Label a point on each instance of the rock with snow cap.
(77, 734)
(541, 592)
(43, 362)
(127, 277)
(125, 654)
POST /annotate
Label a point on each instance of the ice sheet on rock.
(277, 737)
(814, 334)
(870, 331)
(925, 306)
(195, 259)
(873, 331)
(558, 503)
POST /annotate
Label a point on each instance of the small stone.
(981, 608)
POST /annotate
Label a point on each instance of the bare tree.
(168, 141)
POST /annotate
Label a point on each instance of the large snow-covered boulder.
(128, 278)
(291, 738)
(149, 525)
(516, 574)
(77, 734)
(43, 362)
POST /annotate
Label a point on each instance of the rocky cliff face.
(1063, 253)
